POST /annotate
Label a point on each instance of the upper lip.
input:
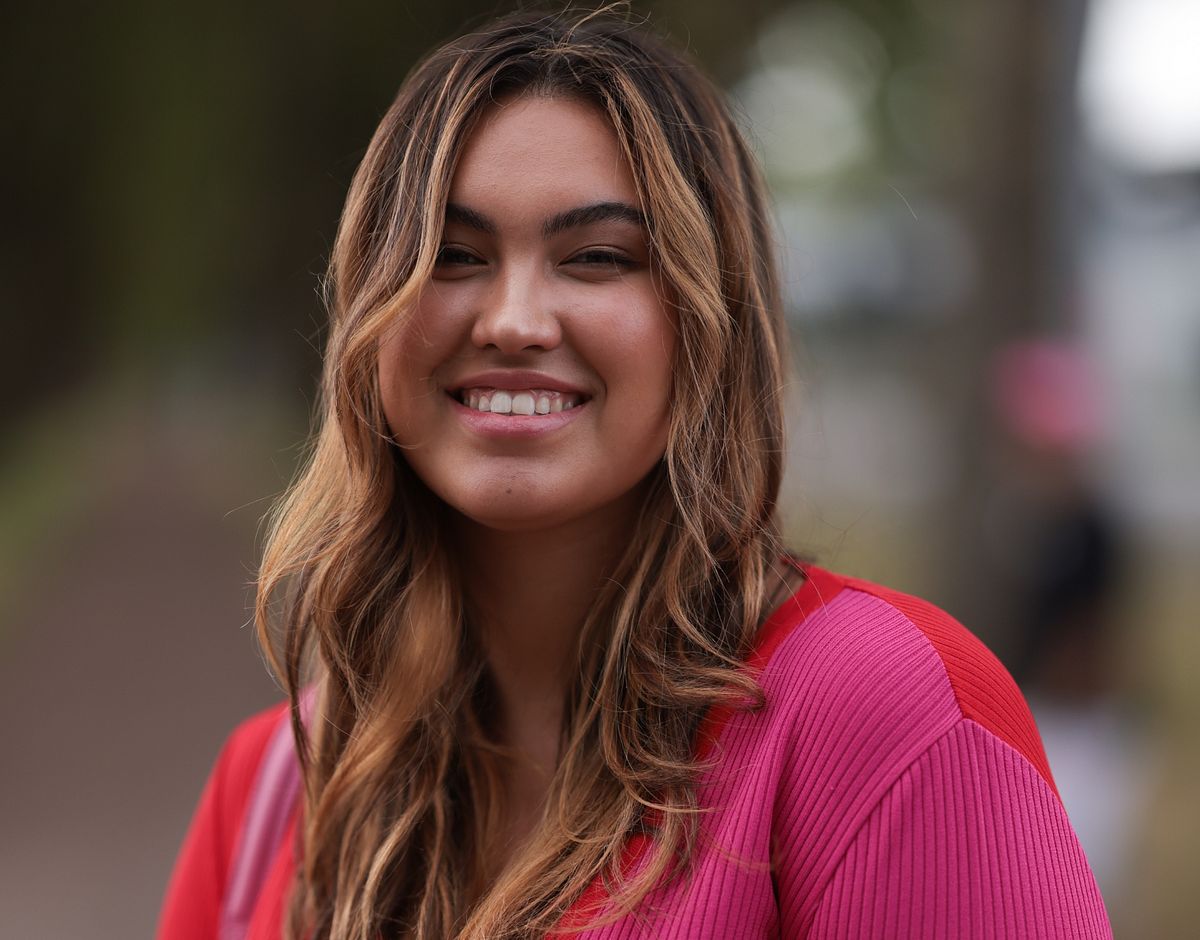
(515, 379)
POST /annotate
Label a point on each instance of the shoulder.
(984, 691)
(192, 905)
(245, 744)
(853, 657)
(238, 763)
(905, 745)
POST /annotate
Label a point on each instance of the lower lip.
(493, 425)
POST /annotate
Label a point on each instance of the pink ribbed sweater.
(894, 786)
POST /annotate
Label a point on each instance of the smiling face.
(531, 386)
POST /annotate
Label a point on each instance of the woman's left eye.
(601, 257)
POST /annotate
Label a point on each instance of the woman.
(548, 663)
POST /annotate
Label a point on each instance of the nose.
(516, 314)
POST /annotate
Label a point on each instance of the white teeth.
(518, 402)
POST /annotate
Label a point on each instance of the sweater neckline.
(819, 587)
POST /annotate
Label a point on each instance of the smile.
(526, 413)
(534, 401)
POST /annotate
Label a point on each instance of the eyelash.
(450, 250)
(608, 258)
(449, 254)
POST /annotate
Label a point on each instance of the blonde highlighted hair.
(358, 593)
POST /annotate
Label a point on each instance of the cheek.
(393, 369)
(639, 382)
(407, 409)
(660, 371)
(651, 351)
(408, 358)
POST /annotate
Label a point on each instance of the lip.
(514, 426)
(514, 380)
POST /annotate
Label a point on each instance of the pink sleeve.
(970, 842)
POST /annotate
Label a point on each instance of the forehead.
(548, 149)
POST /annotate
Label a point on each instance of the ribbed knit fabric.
(948, 854)
(894, 786)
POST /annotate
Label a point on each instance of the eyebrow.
(571, 218)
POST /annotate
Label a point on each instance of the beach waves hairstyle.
(359, 596)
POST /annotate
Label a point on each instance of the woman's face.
(531, 387)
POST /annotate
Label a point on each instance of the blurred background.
(990, 225)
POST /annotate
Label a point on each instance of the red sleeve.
(192, 904)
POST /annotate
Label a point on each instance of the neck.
(531, 592)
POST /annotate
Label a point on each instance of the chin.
(515, 513)
(508, 502)
(519, 503)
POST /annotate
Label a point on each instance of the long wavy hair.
(360, 598)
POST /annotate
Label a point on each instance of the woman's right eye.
(453, 255)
